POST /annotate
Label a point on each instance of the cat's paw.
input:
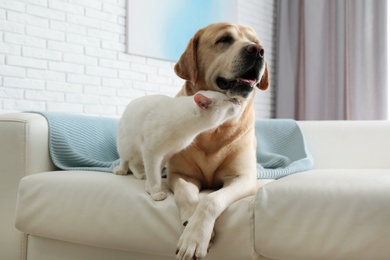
(119, 171)
(139, 176)
(158, 196)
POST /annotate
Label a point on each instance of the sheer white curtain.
(332, 59)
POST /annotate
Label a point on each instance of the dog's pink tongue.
(250, 82)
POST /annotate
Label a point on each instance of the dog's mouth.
(241, 85)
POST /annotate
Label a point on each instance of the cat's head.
(217, 104)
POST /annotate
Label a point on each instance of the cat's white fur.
(153, 128)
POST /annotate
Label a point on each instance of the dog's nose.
(255, 49)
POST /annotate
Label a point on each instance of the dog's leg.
(194, 241)
(186, 193)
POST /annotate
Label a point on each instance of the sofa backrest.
(348, 144)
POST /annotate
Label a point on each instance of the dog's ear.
(187, 66)
(264, 82)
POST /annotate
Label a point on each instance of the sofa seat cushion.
(325, 214)
(95, 208)
(110, 211)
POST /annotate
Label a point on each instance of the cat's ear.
(202, 101)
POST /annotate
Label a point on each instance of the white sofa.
(338, 210)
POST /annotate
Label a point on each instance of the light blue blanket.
(281, 149)
(78, 142)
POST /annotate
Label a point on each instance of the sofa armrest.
(24, 144)
(348, 144)
(23, 150)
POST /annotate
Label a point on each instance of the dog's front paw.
(186, 213)
(195, 241)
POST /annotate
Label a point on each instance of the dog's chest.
(209, 165)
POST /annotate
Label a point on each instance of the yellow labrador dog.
(228, 58)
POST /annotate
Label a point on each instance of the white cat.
(153, 128)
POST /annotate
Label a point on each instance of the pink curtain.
(332, 60)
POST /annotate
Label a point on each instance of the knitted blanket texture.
(79, 142)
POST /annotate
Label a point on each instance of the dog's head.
(224, 57)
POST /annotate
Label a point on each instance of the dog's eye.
(225, 39)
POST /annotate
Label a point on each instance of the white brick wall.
(69, 55)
